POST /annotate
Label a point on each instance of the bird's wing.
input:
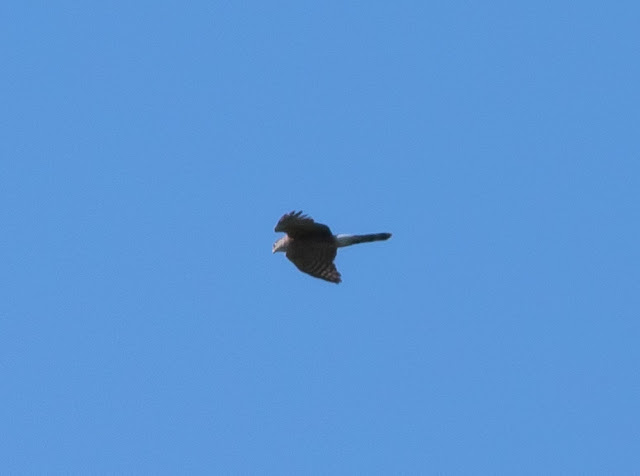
(297, 225)
(315, 257)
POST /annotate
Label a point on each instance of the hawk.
(312, 247)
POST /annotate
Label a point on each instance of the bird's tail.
(347, 240)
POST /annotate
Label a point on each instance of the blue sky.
(148, 149)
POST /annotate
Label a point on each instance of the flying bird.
(312, 247)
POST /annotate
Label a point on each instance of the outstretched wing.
(297, 225)
(315, 258)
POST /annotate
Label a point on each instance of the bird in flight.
(312, 247)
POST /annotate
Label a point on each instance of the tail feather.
(347, 240)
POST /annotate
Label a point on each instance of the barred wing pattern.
(315, 258)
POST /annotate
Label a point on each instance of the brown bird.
(312, 247)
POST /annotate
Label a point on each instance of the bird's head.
(281, 244)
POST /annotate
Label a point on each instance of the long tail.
(346, 240)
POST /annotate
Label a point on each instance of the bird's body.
(312, 247)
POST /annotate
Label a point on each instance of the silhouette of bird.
(312, 247)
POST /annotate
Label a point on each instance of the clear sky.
(147, 151)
